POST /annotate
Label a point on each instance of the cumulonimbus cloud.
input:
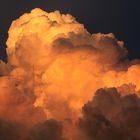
(54, 68)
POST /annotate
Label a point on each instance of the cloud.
(10, 130)
(110, 116)
(50, 129)
(14, 98)
(4, 68)
(54, 68)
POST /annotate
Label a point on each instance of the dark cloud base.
(108, 116)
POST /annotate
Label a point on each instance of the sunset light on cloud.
(63, 83)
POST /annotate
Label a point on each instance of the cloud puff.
(110, 116)
(50, 129)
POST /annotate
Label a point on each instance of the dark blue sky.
(121, 17)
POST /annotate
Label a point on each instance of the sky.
(121, 17)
